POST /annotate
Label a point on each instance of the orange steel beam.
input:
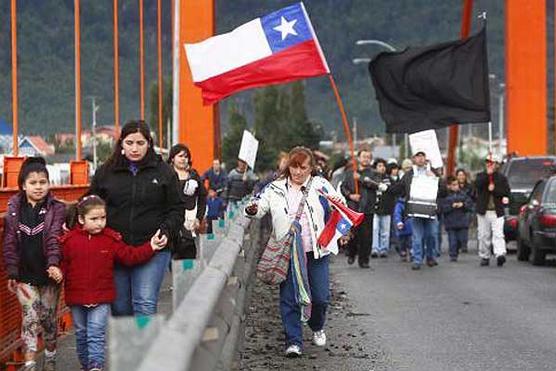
(116, 70)
(160, 82)
(77, 51)
(197, 123)
(454, 129)
(141, 61)
(15, 106)
(526, 73)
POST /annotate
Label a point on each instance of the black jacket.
(456, 218)
(199, 198)
(368, 184)
(138, 205)
(501, 189)
(385, 201)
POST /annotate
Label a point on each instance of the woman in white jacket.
(281, 198)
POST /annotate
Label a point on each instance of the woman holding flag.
(305, 200)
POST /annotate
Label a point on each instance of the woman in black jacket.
(142, 196)
(194, 195)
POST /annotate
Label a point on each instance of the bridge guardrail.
(209, 294)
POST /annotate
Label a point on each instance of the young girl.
(89, 251)
(32, 256)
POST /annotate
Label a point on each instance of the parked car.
(537, 223)
(522, 174)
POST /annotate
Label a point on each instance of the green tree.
(232, 140)
(269, 106)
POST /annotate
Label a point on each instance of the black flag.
(433, 87)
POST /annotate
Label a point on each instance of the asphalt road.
(456, 316)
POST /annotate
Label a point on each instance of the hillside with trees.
(45, 51)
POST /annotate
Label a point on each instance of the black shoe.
(364, 265)
(351, 260)
(432, 262)
(415, 266)
(383, 255)
(484, 262)
(500, 260)
(374, 255)
(453, 258)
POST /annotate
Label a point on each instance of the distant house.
(35, 146)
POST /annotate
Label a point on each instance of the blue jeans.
(424, 231)
(457, 239)
(317, 270)
(90, 333)
(381, 233)
(137, 287)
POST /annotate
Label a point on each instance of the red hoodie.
(88, 264)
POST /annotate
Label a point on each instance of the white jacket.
(274, 199)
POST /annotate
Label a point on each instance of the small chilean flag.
(279, 47)
(342, 219)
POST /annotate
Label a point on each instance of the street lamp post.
(502, 87)
(94, 108)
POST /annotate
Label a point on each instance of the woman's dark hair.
(379, 160)
(463, 171)
(391, 166)
(177, 148)
(82, 207)
(31, 165)
(131, 127)
(296, 157)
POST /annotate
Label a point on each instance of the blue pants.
(317, 270)
(457, 239)
(424, 231)
(90, 333)
(137, 288)
(381, 233)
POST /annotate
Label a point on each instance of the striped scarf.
(298, 266)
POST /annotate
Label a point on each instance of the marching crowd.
(397, 217)
(112, 248)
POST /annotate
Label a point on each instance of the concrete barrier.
(209, 296)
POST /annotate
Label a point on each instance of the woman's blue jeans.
(137, 288)
(90, 333)
(317, 270)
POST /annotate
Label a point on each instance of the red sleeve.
(132, 255)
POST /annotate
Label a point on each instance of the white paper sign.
(426, 141)
(248, 149)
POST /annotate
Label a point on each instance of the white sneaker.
(293, 351)
(319, 338)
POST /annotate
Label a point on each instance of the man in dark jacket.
(240, 183)
(455, 209)
(364, 202)
(493, 192)
(384, 207)
(216, 177)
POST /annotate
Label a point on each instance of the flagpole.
(347, 130)
(454, 129)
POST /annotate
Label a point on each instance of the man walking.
(423, 212)
(364, 202)
(493, 193)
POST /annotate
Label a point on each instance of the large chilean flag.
(279, 47)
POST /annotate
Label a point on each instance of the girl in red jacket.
(89, 251)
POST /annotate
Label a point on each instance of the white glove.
(190, 187)
(382, 187)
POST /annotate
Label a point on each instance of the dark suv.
(522, 174)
